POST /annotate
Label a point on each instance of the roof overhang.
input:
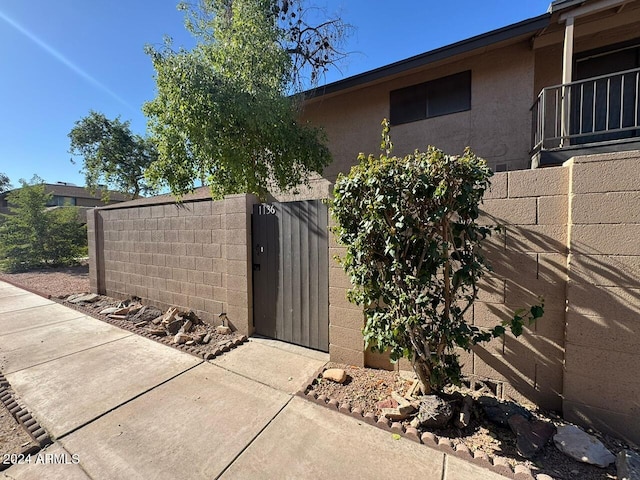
(526, 27)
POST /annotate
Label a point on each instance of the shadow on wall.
(566, 353)
(526, 265)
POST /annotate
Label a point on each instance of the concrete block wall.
(529, 260)
(602, 381)
(193, 255)
(346, 344)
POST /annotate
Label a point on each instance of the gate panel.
(291, 272)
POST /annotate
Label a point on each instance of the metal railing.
(597, 109)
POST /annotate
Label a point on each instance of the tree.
(112, 155)
(5, 183)
(33, 236)
(414, 255)
(223, 111)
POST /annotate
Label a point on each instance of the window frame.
(402, 108)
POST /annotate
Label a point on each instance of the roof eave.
(495, 36)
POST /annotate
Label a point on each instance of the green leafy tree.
(223, 111)
(5, 183)
(33, 236)
(112, 155)
(414, 255)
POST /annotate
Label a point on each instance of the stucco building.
(530, 94)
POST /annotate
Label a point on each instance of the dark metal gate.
(291, 272)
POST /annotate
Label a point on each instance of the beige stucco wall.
(193, 255)
(498, 126)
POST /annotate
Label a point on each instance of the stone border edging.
(24, 418)
(127, 325)
(496, 464)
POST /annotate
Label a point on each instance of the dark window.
(60, 201)
(431, 99)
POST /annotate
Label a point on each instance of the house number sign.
(266, 209)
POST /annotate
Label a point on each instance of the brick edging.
(129, 326)
(431, 440)
(24, 418)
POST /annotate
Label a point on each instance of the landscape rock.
(189, 343)
(397, 414)
(434, 412)
(169, 314)
(161, 332)
(109, 310)
(579, 445)
(531, 436)
(628, 465)
(223, 330)
(181, 338)
(499, 412)
(386, 403)
(85, 297)
(198, 338)
(335, 374)
(173, 326)
(207, 338)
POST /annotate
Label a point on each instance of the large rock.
(531, 436)
(335, 375)
(434, 412)
(500, 412)
(173, 326)
(628, 465)
(581, 446)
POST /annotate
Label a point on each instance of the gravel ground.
(53, 281)
(365, 387)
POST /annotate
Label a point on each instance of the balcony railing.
(594, 110)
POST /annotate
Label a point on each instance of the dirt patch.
(366, 387)
(14, 441)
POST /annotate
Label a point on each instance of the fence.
(571, 235)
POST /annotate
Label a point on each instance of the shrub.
(33, 236)
(414, 255)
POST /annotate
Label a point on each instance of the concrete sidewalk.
(121, 406)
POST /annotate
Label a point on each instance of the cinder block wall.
(602, 381)
(193, 255)
(529, 260)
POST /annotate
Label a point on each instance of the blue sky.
(60, 59)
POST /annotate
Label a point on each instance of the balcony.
(598, 114)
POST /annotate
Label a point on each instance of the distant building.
(65, 194)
